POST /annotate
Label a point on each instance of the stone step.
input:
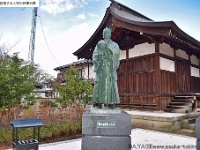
(180, 103)
(178, 107)
(182, 100)
(188, 132)
(184, 123)
(175, 110)
(192, 120)
(192, 126)
(188, 123)
(184, 97)
(189, 120)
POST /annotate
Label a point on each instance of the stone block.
(115, 123)
(106, 143)
(156, 125)
(198, 128)
(198, 144)
(106, 130)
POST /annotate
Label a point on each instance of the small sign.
(19, 3)
(106, 124)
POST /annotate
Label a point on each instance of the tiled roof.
(73, 64)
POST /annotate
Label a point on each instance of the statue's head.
(106, 33)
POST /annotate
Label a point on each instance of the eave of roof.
(170, 25)
(73, 64)
(121, 6)
(167, 29)
(101, 26)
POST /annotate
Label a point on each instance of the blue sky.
(68, 24)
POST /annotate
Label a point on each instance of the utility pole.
(32, 38)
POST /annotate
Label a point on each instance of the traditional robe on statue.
(106, 62)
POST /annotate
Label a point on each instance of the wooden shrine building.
(158, 61)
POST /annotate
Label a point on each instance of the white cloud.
(60, 6)
(57, 6)
(62, 46)
(94, 0)
(81, 16)
(92, 15)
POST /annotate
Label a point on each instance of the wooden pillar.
(158, 75)
(199, 64)
(189, 55)
(197, 99)
(88, 70)
(82, 71)
(127, 54)
(176, 70)
(127, 78)
(199, 68)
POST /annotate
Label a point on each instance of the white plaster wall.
(122, 54)
(42, 95)
(166, 64)
(91, 73)
(195, 72)
(194, 60)
(81, 67)
(85, 72)
(166, 49)
(142, 49)
(182, 54)
(78, 67)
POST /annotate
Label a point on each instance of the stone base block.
(110, 124)
(198, 128)
(106, 143)
(198, 144)
(106, 129)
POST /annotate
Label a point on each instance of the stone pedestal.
(106, 129)
(198, 133)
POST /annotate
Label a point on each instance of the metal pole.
(17, 138)
(34, 132)
(13, 135)
(38, 134)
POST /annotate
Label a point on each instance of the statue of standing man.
(106, 62)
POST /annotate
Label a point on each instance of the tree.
(41, 76)
(75, 89)
(16, 80)
(5, 47)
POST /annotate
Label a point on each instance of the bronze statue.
(106, 62)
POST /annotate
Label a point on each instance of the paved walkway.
(140, 139)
